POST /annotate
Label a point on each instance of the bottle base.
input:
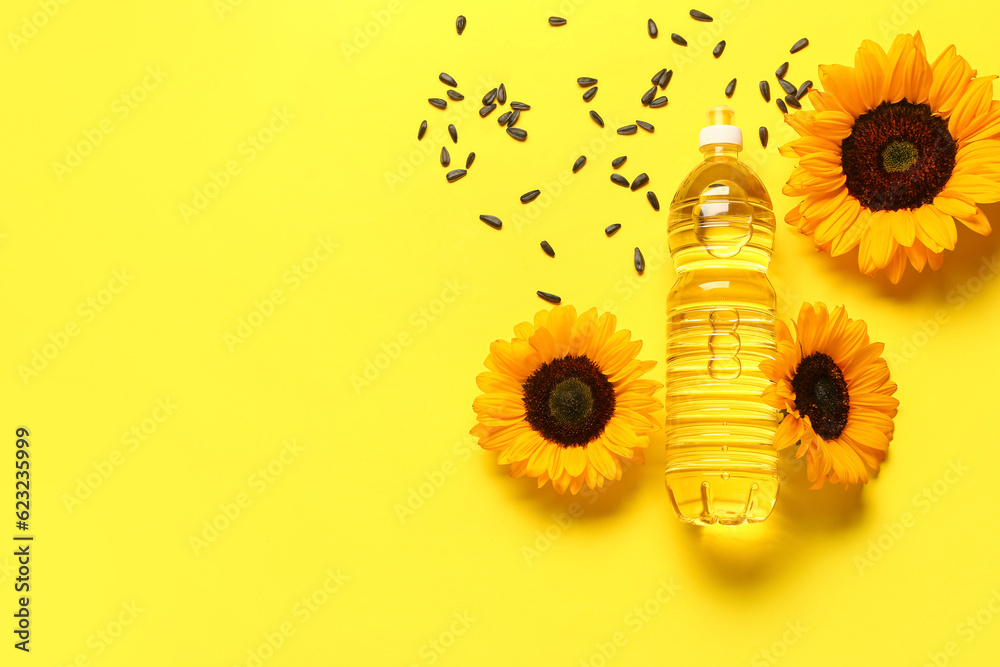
(709, 497)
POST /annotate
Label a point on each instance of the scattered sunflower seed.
(653, 201)
(644, 125)
(799, 45)
(787, 87)
(589, 94)
(700, 16)
(447, 80)
(455, 174)
(489, 97)
(422, 131)
(547, 248)
(437, 102)
(719, 48)
(487, 110)
(730, 88)
(580, 161)
(651, 28)
(517, 133)
(551, 298)
(781, 105)
(502, 95)
(455, 95)
(619, 161)
(791, 101)
(453, 131)
(639, 181)
(469, 160)
(639, 261)
(460, 24)
(656, 77)
(628, 129)
(611, 229)
(677, 39)
(445, 157)
(504, 117)
(618, 179)
(782, 70)
(762, 133)
(520, 106)
(803, 89)
(529, 197)
(492, 221)
(557, 20)
(765, 91)
(514, 115)
(597, 118)
(658, 102)
(648, 96)
(586, 81)
(665, 79)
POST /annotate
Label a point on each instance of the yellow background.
(875, 576)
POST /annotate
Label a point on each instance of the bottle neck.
(720, 152)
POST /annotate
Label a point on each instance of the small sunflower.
(895, 151)
(835, 387)
(565, 400)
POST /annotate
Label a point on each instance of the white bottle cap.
(720, 128)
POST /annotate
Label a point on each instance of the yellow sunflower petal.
(870, 63)
(903, 225)
(841, 82)
(789, 432)
(951, 77)
(974, 103)
(935, 228)
(977, 188)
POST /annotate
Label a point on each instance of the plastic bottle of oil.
(721, 464)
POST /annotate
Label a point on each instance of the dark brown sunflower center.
(821, 393)
(899, 155)
(569, 401)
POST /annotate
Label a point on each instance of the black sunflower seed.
(700, 16)
(580, 161)
(520, 106)
(586, 81)
(487, 110)
(460, 24)
(781, 105)
(422, 131)
(453, 131)
(489, 97)
(677, 39)
(653, 201)
(799, 45)
(504, 117)
(639, 181)
(589, 94)
(765, 91)
(627, 129)
(557, 20)
(651, 28)
(514, 115)
(730, 88)
(648, 96)
(658, 102)
(782, 70)
(445, 157)
(551, 298)
(762, 133)
(611, 229)
(656, 77)
(455, 174)
(719, 48)
(469, 160)
(455, 95)
(502, 95)
(787, 87)
(529, 197)
(792, 102)
(665, 79)
(644, 125)
(547, 248)
(803, 89)
(437, 102)
(618, 179)
(619, 161)
(517, 133)
(492, 221)
(597, 118)
(639, 261)
(447, 80)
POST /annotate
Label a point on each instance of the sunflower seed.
(447, 80)
(487, 110)
(502, 95)
(665, 79)
(677, 39)
(460, 24)
(504, 117)
(619, 161)
(700, 16)
(557, 20)
(492, 221)
(589, 94)
(639, 181)
(611, 229)
(422, 131)
(586, 81)
(618, 179)
(627, 129)
(469, 160)
(514, 115)
(445, 157)
(520, 106)
(639, 261)
(547, 248)
(792, 102)
(799, 45)
(782, 70)
(656, 77)
(517, 133)
(529, 197)
(653, 201)
(719, 48)
(455, 174)
(730, 88)
(644, 125)
(455, 95)
(454, 133)
(580, 161)
(658, 102)
(762, 132)
(651, 28)
(781, 105)
(597, 118)
(803, 89)
(765, 91)
(489, 97)
(786, 86)
(437, 102)
(648, 96)
(551, 298)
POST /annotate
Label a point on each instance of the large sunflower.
(896, 150)
(565, 400)
(835, 387)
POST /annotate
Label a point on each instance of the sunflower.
(565, 400)
(835, 387)
(895, 151)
